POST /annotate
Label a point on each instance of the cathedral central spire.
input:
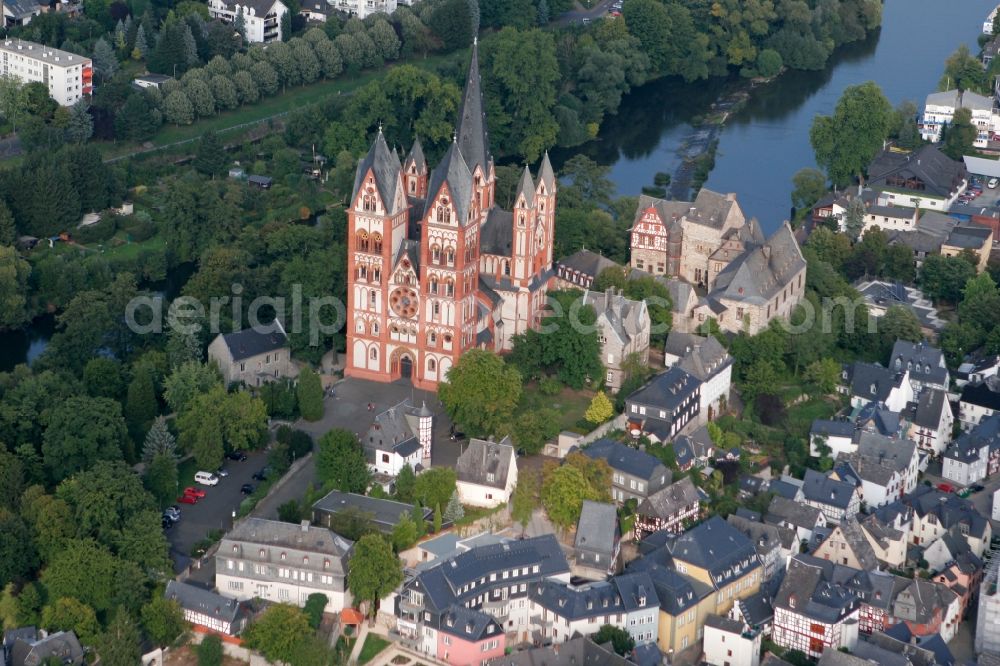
(471, 129)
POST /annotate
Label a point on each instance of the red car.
(946, 487)
(195, 492)
(187, 499)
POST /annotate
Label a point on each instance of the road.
(579, 14)
(348, 408)
(215, 511)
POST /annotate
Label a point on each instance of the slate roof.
(624, 316)
(546, 175)
(394, 430)
(467, 624)
(809, 590)
(726, 624)
(676, 592)
(579, 651)
(590, 600)
(416, 156)
(972, 237)
(983, 394)
(313, 539)
(202, 601)
(471, 134)
(680, 344)
(831, 428)
(411, 250)
(597, 530)
(785, 490)
(485, 463)
(384, 513)
(647, 654)
(453, 172)
(445, 584)
(718, 547)
(928, 597)
(851, 532)
(940, 175)
(706, 359)
(762, 272)
(960, 99)
(834, 657)
(925, 363)
(880, 531)
(949, 509)
(587, 263)
(20, 9)
(824, 490)
(877, 458)
(782, 510)
(666, 390)
(709, 209)
(875, 416)
(251, 342)
(497, 233)
(385, 167)
(669, 500)
(929, 407)
(878, 644)
(756, 609)
(979, 441)
(862, 376)
(62, 646)
(933, 643)
(627, 460)
(765, 537)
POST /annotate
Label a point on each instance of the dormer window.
(873, 389)
(283, 556)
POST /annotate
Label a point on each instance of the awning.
(351, 616)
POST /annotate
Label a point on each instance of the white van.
(206, 478)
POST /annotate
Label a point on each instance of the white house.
(886, 468)
(888, 218)
(940, 108)
(868, 382)
(399, 436)
(283, 562)
(729, 642)
(931, 421)
(365, 8)
(836, 434)
(972, 456)
(623, 326)
(988, 23)
(709, 361)
(67, 76)
(974, 373)
(208, 609)
(979, 401)
(261, 18)
(486, 473)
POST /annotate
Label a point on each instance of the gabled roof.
(680, 344)
(486, 463)
(579, 651)
(717, 547)
(756, 609)
(824, 490)
(809, 590)
(394, 430)
(467, 624)
(597, 530)
(929, 408)
(252, 342)
(669, 500)
(983, 394)
(526, 188)
(384, 513)
(497, 234)
(926, 598)
(879, 459)
(416, 156)
(831, 428)
(925, 363)
(624, 458)
(783, 510)
(204, 602)
(385, 167)
(587, 263)
(762, 272)
(764, 537)
(864, 376)
(850, 531)
(61, 646)
(939, 174)
(471, 133)
(972, 237)
(453, 172)
(666, 390)
(623, 316)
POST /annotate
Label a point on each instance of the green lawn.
(373, 645)
(570, 404)
(185, 473)
(292, 98)
(128, 250)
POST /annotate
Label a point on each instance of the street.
(579, 15)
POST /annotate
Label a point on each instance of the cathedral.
(435, 268)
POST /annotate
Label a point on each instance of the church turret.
(472, 136)
(525, 197)
(415, 171)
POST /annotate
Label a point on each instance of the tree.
(962, 135)
(769, 63)
(84, 571)
(854, 218)
(140, 404)
(161, 478)
(341, 462)
(103, 378)
(80, 432)
(163, 620)
(809, 186)
(481, 393)
(315, 605)
(209, 651)
(438, 518)
(13, 99)
(277, 630)
(435, 486)
(761, 377)
(218, 421)
(159, 440)
(105, 60)
(964, 71)
(80, 125)
(532, 428)
(451, 22)
(240, 24)
(14, 273)
(8, 231)
(525, 497)
(565, 487)
(17, 552)
(177, 108)
(824, 373)
(310, 394)
(188, 381)
(137, 119)
(211, 157)
(66, 614)
(404, 534)
(119, 645)
(943, 278)
(374, 570)
(847, 141)
(621, 641)
(385, 39)
(454, 510)
(600, 409)
(406, 484)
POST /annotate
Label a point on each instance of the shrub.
(210, 651)
(549, 386)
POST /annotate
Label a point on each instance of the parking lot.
(989, 197)
(215, 511)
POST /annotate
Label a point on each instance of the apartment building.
(261, 18)
(276, 561)
(67, 76)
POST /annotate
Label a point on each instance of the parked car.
(197, 492)
(978, 487)
(247, 489)
(992, 183)
(206, 478)
(166, 523)
(946, 487)
(187, 499)
(261, 474)
(238, 456)
(222, 472)
(173, 513)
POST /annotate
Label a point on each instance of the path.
(579, 14)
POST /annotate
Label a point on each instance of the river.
(767, 141)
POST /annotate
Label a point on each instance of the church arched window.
(377, 243)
